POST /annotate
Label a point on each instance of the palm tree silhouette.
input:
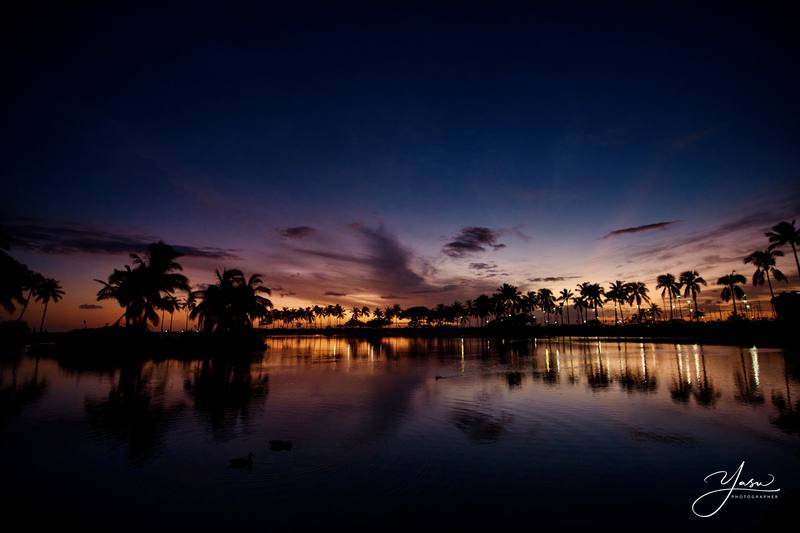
(618, 294)
(141, 289)
(33, 281)
(231, 304)
(690, 282)
(580, 305)
(564, 297)
(592, 294)
(765, 264)
(784, 233)
(654, 312)
(731, 289)
(49, 290)
(546, 302)
(638, 292)
(509, 298)
(668, 285)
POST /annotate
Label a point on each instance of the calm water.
(523, 434)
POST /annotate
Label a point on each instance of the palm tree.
(669, 285)
(49, 289)
(356, 312)
(564, 297)
(509, 298)
(638, 292)
(141, 289)
(12, 282)
(232, 303)
(32, 282)
(618, 294)
(690, 282)
(546, 302)
(338, 313)
(731, 289)
(483, 308)
(172, 304)
(397, 311)
(784, 233)
(580, 305)
(593, 294)
(654, 312)
(765, 264)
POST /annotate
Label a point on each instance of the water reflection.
(748, 383)
(494, 423)
(226, 393)
(19, 388)
(135, 412)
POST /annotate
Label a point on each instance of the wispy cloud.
(297, 232)
(482, 266)
(90, 306)
(551, 279)
(640, 229)
(69, 238)
(472, 240)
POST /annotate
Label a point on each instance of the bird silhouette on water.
(280, 445)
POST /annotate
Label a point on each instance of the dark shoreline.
(761, 333)
(115, 343)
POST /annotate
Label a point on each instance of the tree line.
(154, 286)
(19, 285)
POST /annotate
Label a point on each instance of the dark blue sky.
(550, 127)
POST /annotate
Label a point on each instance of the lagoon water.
(449, 433)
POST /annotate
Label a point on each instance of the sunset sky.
(379, 157)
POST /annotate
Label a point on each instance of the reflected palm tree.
(597, 373)
(681, 388)
(705, 394)
(15, 394)
(637, 379)
(788, 419)
(134, 412)
(226, 393)
(748, 390)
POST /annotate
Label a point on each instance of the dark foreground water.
(524, 434)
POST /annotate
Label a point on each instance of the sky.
(354, 153)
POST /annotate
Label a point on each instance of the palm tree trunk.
(794, 250)
(170, 322)
(696, 310)
(772, 294)
(24, 307)
(44, 313)
(733, 297)
(671, 310)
